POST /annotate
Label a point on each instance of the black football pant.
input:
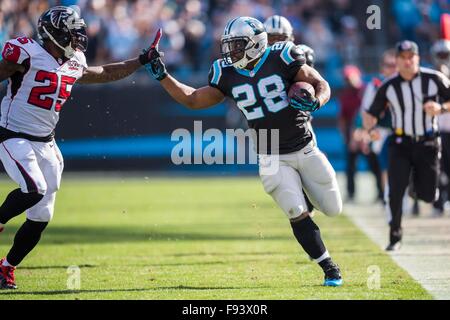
(418, 160)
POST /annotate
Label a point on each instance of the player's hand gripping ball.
(151, 59)
(302, 96)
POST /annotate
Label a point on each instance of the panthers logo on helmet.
(257, 28)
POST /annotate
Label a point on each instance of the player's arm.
(116, 71)
(13, 57)
(432, 107)
(313, 77)
(7, 69)
(110, 72)
(192, 98)
(298, 71)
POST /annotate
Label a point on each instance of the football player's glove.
(151, 59)
(307, 102)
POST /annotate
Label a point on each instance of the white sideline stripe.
(425, 252)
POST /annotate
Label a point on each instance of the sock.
(25, 240)
(308, 236)
(6, 263)
(17, 202)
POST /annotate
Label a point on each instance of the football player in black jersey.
(279, 29)
(257, 78)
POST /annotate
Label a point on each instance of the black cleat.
(395, 240)
(333, 277)
(394, 246)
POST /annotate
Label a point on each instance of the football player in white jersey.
(41, 77)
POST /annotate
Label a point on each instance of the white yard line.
(425, 253)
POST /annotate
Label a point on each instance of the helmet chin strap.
(68, 51)
(254, 59)
(250, 61)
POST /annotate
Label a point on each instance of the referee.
(414, 96)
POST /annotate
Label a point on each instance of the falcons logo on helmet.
(56, 15)
(69, 18)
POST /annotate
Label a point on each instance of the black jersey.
(261, 94)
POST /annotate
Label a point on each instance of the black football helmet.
(65, 28)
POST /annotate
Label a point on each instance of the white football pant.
(35, 167)
(284, 176)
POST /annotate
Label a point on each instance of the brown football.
(295, 89)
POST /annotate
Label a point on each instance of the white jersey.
(35, 97)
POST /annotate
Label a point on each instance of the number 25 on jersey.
(44, 96)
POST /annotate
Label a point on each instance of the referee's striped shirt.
(405, 99)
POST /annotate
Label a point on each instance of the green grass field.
(197, 238)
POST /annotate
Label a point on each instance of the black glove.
(305, 103)
(151, 59)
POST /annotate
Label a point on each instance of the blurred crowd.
(335, 29)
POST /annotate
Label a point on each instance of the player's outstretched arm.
(192, 98)
(110, 72)
(313, 77)
(116, 71)
(7, 69)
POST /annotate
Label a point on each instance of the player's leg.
(445, 166)
(399, 172)
(444, 175)
(319, 180)
(426, 170)
(314, 139)
(38, 216)
(309, 204)
(285, 187)
(383, 159)
(52, 165)
(21, 164)
(375, 168)
(352, 157)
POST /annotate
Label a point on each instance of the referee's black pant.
(411, 159)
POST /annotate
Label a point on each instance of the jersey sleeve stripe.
(217, 72)
(14, 53)
(285, 55)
